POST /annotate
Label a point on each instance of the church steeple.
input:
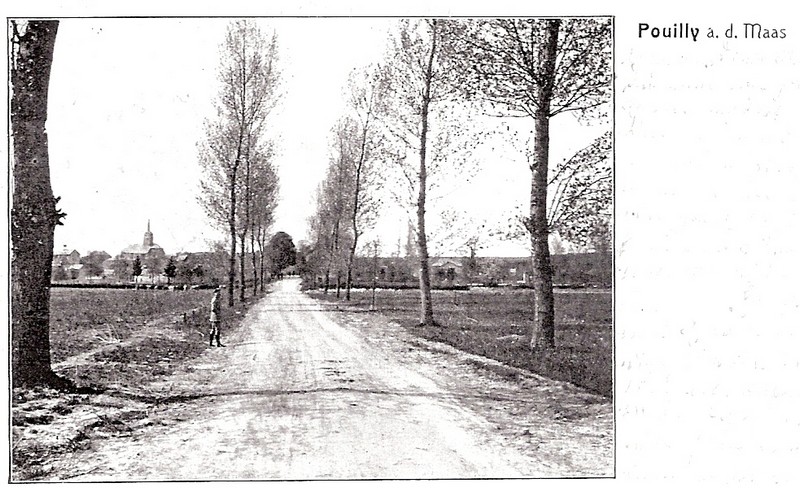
(148, 236)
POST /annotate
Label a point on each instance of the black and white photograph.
(428, 243)
(295, 248)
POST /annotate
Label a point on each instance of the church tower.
(148, 236)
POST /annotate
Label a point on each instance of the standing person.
(215, 315)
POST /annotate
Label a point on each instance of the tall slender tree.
(248, 91)
(344, 184)
(33, 213)
(264, 199)
(537, 68)
(417, 77)
(366, 101)
(333, 202)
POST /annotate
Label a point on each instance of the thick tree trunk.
(426, 305)
(543, 332)
(33, 214)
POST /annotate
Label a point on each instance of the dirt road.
(305, 392)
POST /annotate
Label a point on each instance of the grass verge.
(496, 323)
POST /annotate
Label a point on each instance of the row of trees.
(531, 68)
(280, 254)
(239, 188)
(435, 70)
(347, 199)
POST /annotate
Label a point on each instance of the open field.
(111, 340)
(119, 337)
(81, 319)
(495, 323)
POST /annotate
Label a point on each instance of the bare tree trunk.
(351, 258)
(242, 259)
(263, 269)
(543, 332)
(242, 117)
(261, 246)
(33, 214)
(255, 261)
(334, 257)
(246, 224)
(426, 305)
(349, 276)
(232, 224)
(356, 202)
(328, 266)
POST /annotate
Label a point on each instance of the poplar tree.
(537, 68)
(248, 79)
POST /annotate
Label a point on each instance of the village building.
(207, 267)
(151, 256)
(66, 265)
(447, 270)
(66, 257)
(147, 249)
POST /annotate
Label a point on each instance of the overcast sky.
(127, 102)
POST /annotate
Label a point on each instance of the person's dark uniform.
(215, 315)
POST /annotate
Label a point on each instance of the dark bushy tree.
(282, 252)
(137, 267)
(122, 269)
(170, 270)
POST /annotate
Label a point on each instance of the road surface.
(305, 392)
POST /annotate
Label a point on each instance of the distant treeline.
(589, 269)
(569, 271)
